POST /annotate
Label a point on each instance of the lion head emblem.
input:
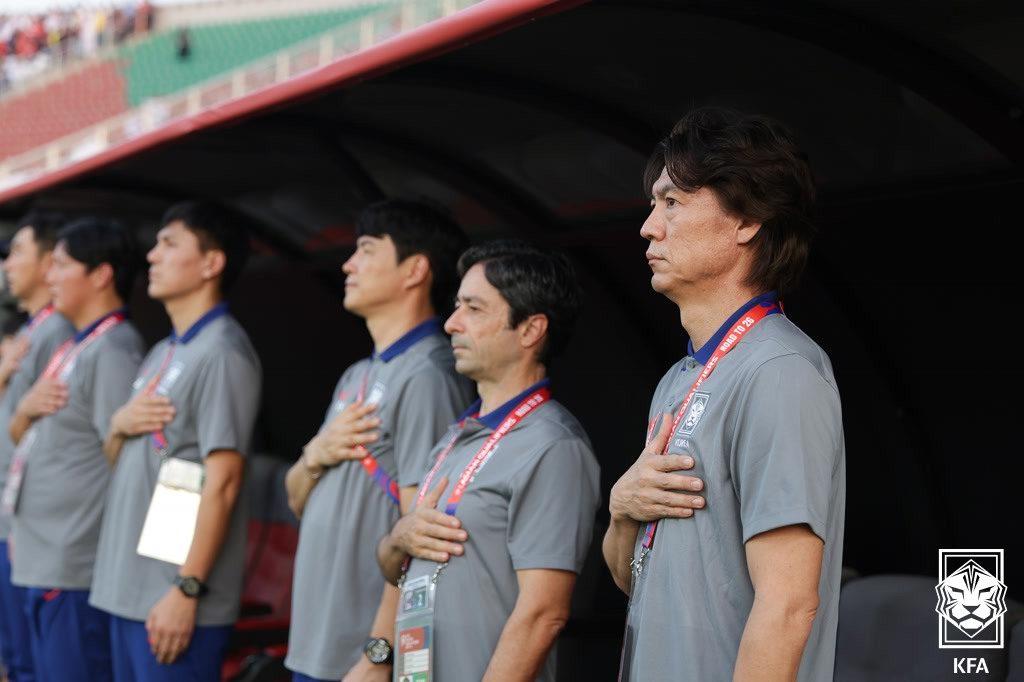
(971, 598)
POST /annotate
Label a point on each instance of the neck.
(101, 305)
(186, 311)
(497, 391)
(388, 326)
(702, 310)
(36, 301)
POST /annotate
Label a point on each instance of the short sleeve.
(429, 402)
(226, 400)
(114, 371)
(552, 508)
(786, 448)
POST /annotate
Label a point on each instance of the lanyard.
(70, 350)
(159, 439)
(38, 318)
(516, 415)
(370, 464)
(751, 317)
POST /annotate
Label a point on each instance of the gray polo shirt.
(43, 340)
(57, 521)
(767, 436)
(337, 584)
(532, 506)
(213, 381)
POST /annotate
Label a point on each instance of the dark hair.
(94, 241)
(416, 227)
(757, 172)
(45, 227)
(217, 228)
(532, 281)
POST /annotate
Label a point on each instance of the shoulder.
(123, 338)
(55, 327)
(229, 340)
(779, 350)
(553, 427)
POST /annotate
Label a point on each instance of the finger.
(662, 512)
(678, 482)
(673, 462)
(434, 495)
(363, 438)
(657, 443)
(439, 518)
(668, 498)
(431, 555)
(365, 424)
(443, 532)
(429, 544)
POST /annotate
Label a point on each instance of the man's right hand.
(343, 438)
(12, 351)
(427, 533)
(144, 413)
(45, 397)
(651, 490)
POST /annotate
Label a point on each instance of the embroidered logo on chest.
(169, 378)
(698, 405)
(376, 394)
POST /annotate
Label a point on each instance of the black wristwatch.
(191, 587)
(379, 651)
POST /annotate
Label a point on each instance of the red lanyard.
(70, 350)
(158, 437)
(370, 464)
(39, 318)
(746, 322)
(518, 413)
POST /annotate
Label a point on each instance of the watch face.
(378, 650)
(191, 587)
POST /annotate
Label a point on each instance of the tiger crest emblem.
(971, 598)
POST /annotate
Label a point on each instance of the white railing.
(158, 112)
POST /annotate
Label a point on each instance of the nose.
(349, 266)
(151, 255)
(653, 228)
(451, 325)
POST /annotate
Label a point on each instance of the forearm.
(299, 483)
(215, 507)
(112, 446)
(384, 621)
(390, 558)
(773, 641)
(18, 426)
(524, 645)
(617, 547)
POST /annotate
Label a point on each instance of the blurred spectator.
(29, 44)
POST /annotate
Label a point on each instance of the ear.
(746, 232)
(417, 270)
(214, 262)
(45, 261)
(533, 330)
(102, 276)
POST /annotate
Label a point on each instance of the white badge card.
(415, 631)
(171, 520)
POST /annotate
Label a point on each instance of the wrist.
(309, 462)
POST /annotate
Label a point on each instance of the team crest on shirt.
(376, 394)
(65, 372)
(169, 378)
(698, 405)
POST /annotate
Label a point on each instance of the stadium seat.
(888, 633)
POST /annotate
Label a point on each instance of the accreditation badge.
(171, 520)
(414, 659)
(16, 473)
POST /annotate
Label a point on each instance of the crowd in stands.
(30, 44)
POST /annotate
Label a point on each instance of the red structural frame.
(475, 23)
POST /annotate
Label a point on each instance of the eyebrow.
(470, 299)
(662, 189)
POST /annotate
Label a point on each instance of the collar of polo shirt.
(80, 336)
(208, 317)
(407, 340)
(493, 419)
(704, 353)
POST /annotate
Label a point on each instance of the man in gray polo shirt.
(369, 455)
(59, 475)
(505, 514)
(193, 405)
(746, 588)
(46, 329)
